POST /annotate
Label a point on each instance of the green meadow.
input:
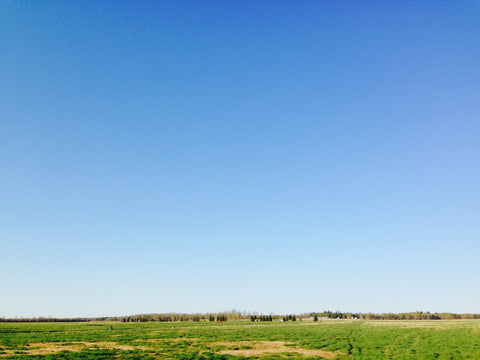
(328, 339)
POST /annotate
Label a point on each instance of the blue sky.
(268, 156)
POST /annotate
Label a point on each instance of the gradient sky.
(274, 156)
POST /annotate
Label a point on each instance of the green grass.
(337, 339)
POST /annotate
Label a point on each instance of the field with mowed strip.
(329, 339)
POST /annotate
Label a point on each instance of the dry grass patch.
(435, 324)
(271, 347)
(54, 347)
(230, 343)
(165, 340)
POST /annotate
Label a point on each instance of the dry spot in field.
(163, 340)
(180, 339)
(53, 347)
(231, 343)
(110, 345)
(435, 324)
(269, 347)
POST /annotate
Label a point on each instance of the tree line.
(173, 317)
(418, 315)
(48, 319)
(261, 318)
(235, 315)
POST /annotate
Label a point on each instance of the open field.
(332, 339)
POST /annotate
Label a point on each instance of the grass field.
(332, 339)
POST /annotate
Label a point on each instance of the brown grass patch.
(231, 343)
(269, 347)
(54, 347)
(165, 340)
(433, 324)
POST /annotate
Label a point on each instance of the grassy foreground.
(333, 339)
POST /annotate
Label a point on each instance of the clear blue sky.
(275, 156)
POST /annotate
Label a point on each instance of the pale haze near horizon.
(279, 157)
